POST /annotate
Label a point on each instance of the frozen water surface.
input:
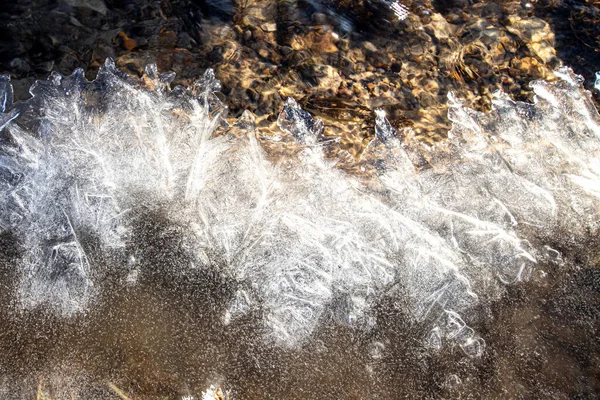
(143, 233)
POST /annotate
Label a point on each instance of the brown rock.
(167, 39)
(269, 27)
(264, 53)
(323, 39)
(127, 42)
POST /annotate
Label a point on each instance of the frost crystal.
(88, 170)
(299, 123)
(6, 94)
(6, 101)
(383, 129)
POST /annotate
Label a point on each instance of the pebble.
(269, 27)
(319, 18)
(369, 46)
(536, 33)
(425, 99)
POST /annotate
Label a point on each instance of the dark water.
(164, 338)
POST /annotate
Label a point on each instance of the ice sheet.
(82, 162)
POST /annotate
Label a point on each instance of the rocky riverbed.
(339, 59)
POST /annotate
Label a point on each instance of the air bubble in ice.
(376, 350)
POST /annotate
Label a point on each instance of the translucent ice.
(299, 123)
(505, 178)
(79, 158)
(383, 129)
(87, 168)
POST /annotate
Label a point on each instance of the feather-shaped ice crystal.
(82, 163)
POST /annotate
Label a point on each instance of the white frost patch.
(80, 161)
